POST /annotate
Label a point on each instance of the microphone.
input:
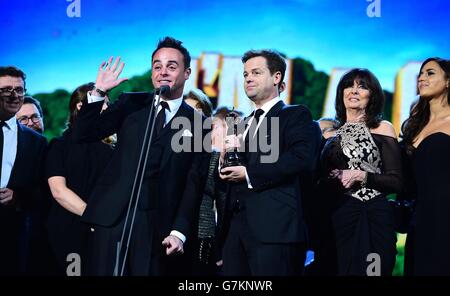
(164, 90)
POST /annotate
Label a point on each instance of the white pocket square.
(187, 133)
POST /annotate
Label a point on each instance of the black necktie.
(2, 124)
(251, 130)
(256, 115)
(161, 117)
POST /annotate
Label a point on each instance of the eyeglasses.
(35, 118)
(7, 91)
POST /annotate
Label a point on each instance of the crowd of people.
(164, 183)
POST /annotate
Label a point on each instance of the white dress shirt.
(174, 105)
(10, 131)
(266, 108)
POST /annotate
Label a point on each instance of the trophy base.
(232, 159)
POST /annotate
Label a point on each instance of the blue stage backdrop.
(60, 43)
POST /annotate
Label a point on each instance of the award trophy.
(232, 156)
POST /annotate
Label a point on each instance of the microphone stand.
(134, 198)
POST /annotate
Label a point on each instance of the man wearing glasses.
(21, 155)
(31, 114)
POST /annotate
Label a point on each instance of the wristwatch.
(101, 92)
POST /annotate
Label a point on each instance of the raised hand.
(108, 74)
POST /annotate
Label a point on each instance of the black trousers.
(244, 255)
(146, 255)
(102, 249)
(10, 244)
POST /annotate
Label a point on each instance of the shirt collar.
(268, 105)
(174, 105)
(11, 124)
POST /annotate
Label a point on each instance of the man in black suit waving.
(172, 180)
(266, 232)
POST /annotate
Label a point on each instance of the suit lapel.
(273, 112)
(140, 119)
(142, 116)
(19, 162)
(183, 111)
(167, 132)
(264, 133)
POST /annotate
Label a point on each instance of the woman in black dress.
(71, 170)
(426, 134)
(360, 165)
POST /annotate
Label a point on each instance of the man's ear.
(187, 73)
(277, 78)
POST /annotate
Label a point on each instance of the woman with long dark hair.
(72, 170)
(359, 166)
(426, 138)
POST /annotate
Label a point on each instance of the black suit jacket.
(173, 181)
(274, 206)
(25, 180)
(27, 173)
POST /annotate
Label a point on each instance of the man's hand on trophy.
(233, 173)
(108, 75)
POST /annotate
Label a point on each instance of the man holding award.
(279, 144)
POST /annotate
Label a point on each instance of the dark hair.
(13, 72)
(223, 112)
(275, 61)
(31, 100)
(202, 99)
(78, 95)
(170, 42)
(420, 112)
(375, 105)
